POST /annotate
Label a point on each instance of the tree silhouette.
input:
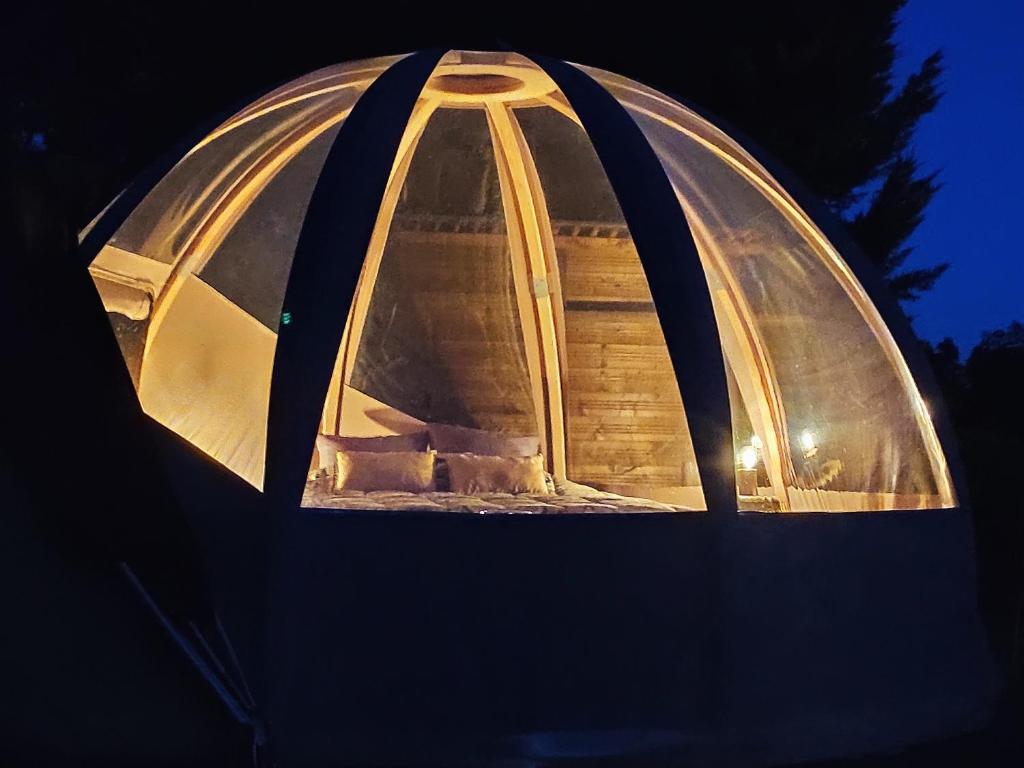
(107, 86)
(983, 397)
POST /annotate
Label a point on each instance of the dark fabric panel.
(850, 633)
(482, 629)
(844, 633)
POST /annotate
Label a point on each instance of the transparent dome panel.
(194, 278)
(831, 419)
(442, 339)
(626, 430)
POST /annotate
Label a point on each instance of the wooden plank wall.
(625, 421)
(442, 343)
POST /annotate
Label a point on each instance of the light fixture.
(748, 456)
(809, 443)
(746, 472)
(807, 440)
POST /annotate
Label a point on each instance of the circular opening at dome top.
(485, 84)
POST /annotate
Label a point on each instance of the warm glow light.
(807, 441)
(756, 442)
(748, 457)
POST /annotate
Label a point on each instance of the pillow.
(446, 438)
(411, 471)
(469, 473)
(328, 445)
(442, 479)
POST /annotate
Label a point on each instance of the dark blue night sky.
(974, 138)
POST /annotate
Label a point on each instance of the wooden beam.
(511, 146)
(555, 299)
(521, 280)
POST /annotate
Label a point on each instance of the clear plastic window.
(826, 415)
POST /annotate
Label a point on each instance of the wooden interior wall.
(442, 343)
(443, 340)
(625, 421)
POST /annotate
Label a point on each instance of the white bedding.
(319, 494)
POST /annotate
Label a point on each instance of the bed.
(321, 495)
(447, 468)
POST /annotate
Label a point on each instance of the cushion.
(442, 479)
(470, 473)
(411, 471)
(446, 438)
(328, 445)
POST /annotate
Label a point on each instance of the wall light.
(746, 473)
(748, 457)
(807, 441)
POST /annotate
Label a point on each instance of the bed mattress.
(502, 503)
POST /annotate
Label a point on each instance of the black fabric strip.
(328, 259)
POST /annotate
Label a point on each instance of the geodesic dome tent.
(476, 283)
